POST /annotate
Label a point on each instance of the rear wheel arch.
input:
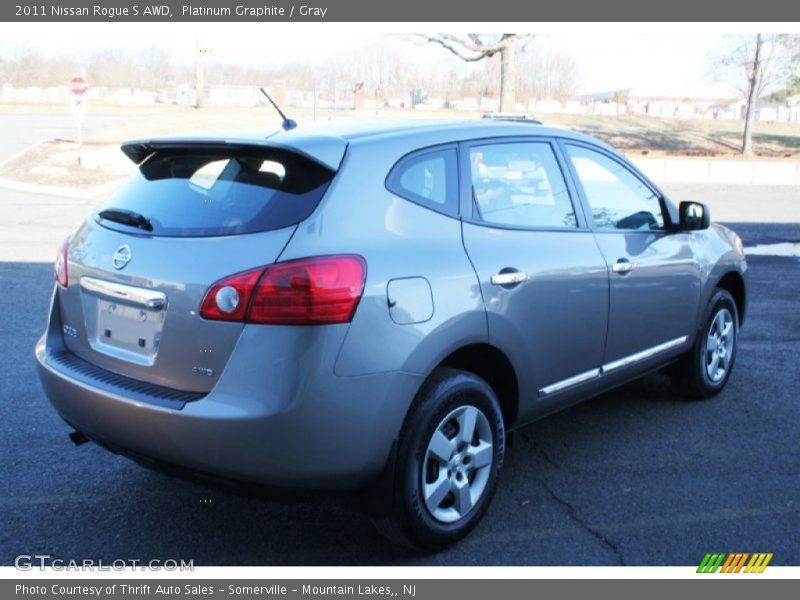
(478, 358)
(493, 366)
(410, 507)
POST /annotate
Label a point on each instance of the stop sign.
(78, 86)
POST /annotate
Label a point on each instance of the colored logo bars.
(735, 562)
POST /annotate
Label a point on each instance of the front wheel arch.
(734, 284)
(689, 374)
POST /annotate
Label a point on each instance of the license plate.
(127, 332)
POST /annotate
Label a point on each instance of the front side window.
(520, 184)
(617, 197)
(429, 178)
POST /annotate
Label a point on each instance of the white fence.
(735, 172)
(249, 95)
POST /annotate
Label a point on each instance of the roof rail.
(516, 117)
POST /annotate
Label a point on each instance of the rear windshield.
(190, 193)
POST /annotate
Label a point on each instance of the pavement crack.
(572, 512)
(613, 546)
(543, 453)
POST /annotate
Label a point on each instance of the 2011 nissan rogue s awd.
(375, 306)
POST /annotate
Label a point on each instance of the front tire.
(450, 454)
(703, 371)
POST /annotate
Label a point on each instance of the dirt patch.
(706, 138)
(60, 163)
(99, 161)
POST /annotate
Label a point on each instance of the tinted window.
(520, 184)
(208, 193)
(618, 199)
(429, 178)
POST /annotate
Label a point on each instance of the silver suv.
(375, 306)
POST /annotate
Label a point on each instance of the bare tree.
(26, 67)
(790, 44)
(550, 74)
(475, 47)
(761, 60)
(755, 76)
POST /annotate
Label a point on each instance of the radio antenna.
(288, 124)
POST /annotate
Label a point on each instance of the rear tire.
(703, 371)
(449, 456)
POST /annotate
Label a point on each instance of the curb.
(16, 155)
(720, 171)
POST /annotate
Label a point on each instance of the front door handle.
(509, 278)
(622, 266)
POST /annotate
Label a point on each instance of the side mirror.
(694, 216)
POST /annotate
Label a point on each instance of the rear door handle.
(509, 278)
(622, 266)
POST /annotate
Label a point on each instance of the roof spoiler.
(139, 150)
(325, 150)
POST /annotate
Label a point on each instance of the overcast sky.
(652, 63)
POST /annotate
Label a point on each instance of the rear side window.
(190, 193)
(429, 178)
(520, 184)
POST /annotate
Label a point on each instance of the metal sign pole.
(78, 87)
(79, 111)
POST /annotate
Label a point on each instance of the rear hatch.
(139, 267)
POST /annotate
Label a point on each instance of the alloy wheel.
(719, 345)
(457, 464)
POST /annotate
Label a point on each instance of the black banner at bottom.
(372, 589)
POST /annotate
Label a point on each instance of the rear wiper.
(126, 217)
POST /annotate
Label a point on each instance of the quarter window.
(520, 184)
(429, 178)
(617, 197)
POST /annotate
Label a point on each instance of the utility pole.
(201, 50)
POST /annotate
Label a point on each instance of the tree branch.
(447, 42)
(476, 39)
(524, 40)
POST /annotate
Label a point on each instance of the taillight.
(308, 291)
(227, 300)
(60, 266)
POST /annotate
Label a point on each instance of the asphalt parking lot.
(633, 477)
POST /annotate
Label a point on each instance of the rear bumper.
(265, 421)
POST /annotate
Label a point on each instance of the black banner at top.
(439, 11)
